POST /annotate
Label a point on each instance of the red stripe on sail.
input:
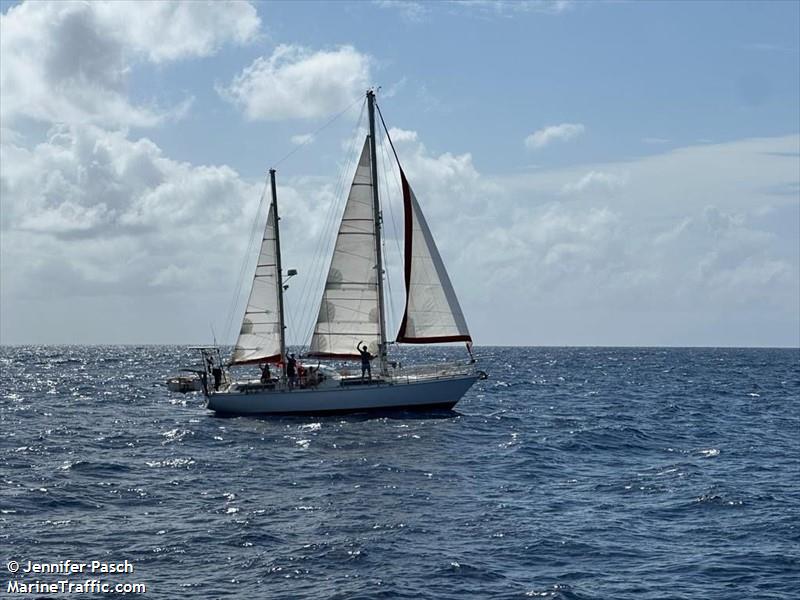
(409, 225)
(331, 355)
(439, 339)
(408, 233)
(275, 358)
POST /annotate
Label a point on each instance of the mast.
(279, 268)
(376, 209)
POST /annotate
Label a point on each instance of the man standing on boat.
(291, 370)
(365, 358)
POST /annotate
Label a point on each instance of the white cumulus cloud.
(301, 139)
(69, 62)
(168, 31)
(596, 180)
(409, 10)
(512, 7)
(695, 239)
(70, 199)
(296, 82)
(552, 133)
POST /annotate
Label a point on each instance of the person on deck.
(265, 374)
(217, 373)
(301, 375)
(291, 370)
(312, 377)
(365, 358)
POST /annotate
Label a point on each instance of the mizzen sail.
(260, 336)
(349, 311)
(432, 313)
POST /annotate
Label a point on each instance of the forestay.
(349, 311)
(260, 336)
(432, 312)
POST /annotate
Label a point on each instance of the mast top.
(372, 96)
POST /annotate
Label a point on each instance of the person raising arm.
(366, 367)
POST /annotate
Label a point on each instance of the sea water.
(570, 473)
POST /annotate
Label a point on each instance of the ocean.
(571, 473)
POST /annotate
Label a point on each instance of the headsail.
(349, 312)
(260, 336)
(432, 312)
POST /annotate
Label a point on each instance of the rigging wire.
(316, 131)
(255, 227)
(325, 259)
(388, 203)
(388, 137)
(395, 166)
(383, 269)
(394, 174)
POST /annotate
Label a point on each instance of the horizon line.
(187, 344)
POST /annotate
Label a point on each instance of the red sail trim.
(275, 358)
(331, 355)
(408, 234)
(434, 340)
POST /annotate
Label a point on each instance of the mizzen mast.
(279, 267)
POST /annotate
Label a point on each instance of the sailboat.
(351, 322)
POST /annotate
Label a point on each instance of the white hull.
(441, 393)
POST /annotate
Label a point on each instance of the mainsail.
(260, 337)
(432, 312)
(350, 310)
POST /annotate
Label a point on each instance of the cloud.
(594, 180)
(701, 236)
(415, 12)
(169, 31)
(302, 139)
(69, 62)
(298, 83)
(392, 90)
(447, 180)
(402, 135)
(770, 47)
(697, 231)
(408, 9)
(507, 8)
(552, 133)
(113, 215)
(670, 244)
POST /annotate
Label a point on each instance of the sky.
(594, 173)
